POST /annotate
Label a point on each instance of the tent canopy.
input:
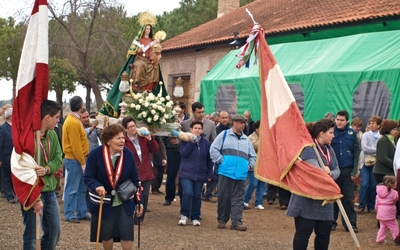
(359, 73)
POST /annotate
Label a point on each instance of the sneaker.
(382, 242)
(259, 207)
(196, 223)
(221, 225)
(183, 220)
(239, 227)
(246, 206)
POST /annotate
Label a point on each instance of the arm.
(215, 155)
(334, 166)
(92, 169)
(252, 156)
(396, 159)
(356, 156)
(152, 144)
(210, 164)
(1, 144)
(366, 144)
(382, 149)
(74, 139)
(186, 149)
(55, 161)
(254, 141)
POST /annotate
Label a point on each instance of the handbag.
(126, 190)
(369, 160)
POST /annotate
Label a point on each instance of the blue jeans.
(50, 221)
(256, 184)
(367, 192)
(191, 198)
(75, 191)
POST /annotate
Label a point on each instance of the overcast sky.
(18, 8)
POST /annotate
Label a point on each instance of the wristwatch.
(47, 171)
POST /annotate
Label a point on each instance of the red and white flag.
(283, 135)
(31, 90)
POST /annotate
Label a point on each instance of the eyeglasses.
(132, 126)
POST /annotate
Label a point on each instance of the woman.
(145, 72)
(254, 183)
(385, 151)
(196, 167)
(100, 177)
(369, 141)
(309, 214)
(141, 148)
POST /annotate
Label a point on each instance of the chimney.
(226, 6)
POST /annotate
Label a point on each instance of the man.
(215, 116)
(347, 150)
(92, 132)
(76, 148)
(2, 121)
(223, 122)
(248, 129)
(50, 163)
(330, 116)
(209, 131)
(6, 147)
(182, 113)
(235, 154)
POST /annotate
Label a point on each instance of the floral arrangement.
(155, 111)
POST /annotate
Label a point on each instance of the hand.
(37, 208)
(0, 163)
(163, 162)
(40, 171)
(101, 191)
(83, 168)
(209, 179)
(148, 137)
(327, 170)
(139, 210)
(353, 178)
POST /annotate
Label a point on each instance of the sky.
(23, 8)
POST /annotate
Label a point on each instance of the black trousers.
(304, 228)
(158, 171)
(174, 160)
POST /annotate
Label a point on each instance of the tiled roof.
(284, 16)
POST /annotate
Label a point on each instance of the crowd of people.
(216, 165)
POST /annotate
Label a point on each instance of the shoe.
(155, 192)
(147, 210)
(246, 206)
(86, 218)
(355, 229)
(270, 202)
(73, 220)
(182, 220)
(260, 207)
(159, 192)
(13, 201)
(283, 207)
(333, 228)
(221, 225)
(396, 244)
(210, 200)
(360, 210)
(167, 203)
(196, 223)
(2, 195)
(215, 194)
(382, 242)
(238, 228)
(371, 211)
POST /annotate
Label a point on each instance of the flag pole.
(38, 227)
(349, 226)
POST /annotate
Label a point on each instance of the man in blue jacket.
(235, 154)
(347, 150)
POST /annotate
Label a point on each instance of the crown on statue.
(147, 18)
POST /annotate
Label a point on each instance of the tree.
(62, 78)
(11, 40)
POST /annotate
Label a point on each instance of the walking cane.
(99, 222)
(138, 222)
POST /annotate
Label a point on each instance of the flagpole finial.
(251, 15)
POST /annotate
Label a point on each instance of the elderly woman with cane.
(110, 172)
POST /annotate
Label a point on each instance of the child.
(385, 206)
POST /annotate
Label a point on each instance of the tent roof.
(356, 53)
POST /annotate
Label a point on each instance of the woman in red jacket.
(141, 148)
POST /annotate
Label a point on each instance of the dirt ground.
(267, 229)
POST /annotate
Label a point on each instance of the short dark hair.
(48, 107)
(127, 120)
(343, 113)
(83, 111)
(256, 125)
(93, 114)
(321, 125)
(387, 125)
(197, 105)
(75, 103)
(109, 132)
(182, 105)
(196, 122)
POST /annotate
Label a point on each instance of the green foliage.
(62, 76)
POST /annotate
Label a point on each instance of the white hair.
(8, 113)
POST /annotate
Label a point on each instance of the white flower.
(154, 106)
(149, 119)
(166, 116)
(173, 112)
(168, 105)
(167, 97)
(146, 104)
(163, 121)
(139, 95)
(144, 114)
(155, 118)
(153, 112)
(137, 107)
(132, 105)
(162, 99)
(162, 110)
(158, 103)
(141, 101)
(171, 102)
(159, 108)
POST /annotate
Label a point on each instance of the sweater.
(144, 167)
(96, 176)
(196, 163)
(55, 156)
(74, 141)
(384, 157)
